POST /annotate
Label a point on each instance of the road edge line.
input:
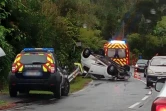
(146, 97)
(134, 105)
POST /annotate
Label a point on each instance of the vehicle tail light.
(159, 104)
(14, 68)
(52, 68)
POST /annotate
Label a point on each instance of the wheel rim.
(66, 90)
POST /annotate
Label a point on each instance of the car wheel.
(144, 75)
(127, 68)
(86, 53)
(12, 91)
(66, 89)
(57, 92)
(112, 70)
(149, 84)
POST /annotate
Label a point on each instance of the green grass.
(79, 83)
(75, 85)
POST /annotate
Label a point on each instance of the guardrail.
(74, 74)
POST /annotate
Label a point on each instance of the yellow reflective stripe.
(18, 58)
(20, 69)
(44, 69)
(47, 64)
(27, 54)
(122, 46)
(113, 46)
(49, 59)
(18, 55)
(15, 60)
(18, 64)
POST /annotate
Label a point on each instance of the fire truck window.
(121, 53)
(111, 52)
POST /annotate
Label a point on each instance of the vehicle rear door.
(33, 65)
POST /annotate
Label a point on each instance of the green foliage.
(91, 38)
(160, 29)
(5, 61)
(145, 44)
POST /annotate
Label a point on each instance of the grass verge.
(77, 84)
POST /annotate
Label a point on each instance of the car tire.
(127, 67)
(144, 75)
(12, 91)
(57, 92)
(66, 88)
(149, 84)
(86, 52)
(111, 69)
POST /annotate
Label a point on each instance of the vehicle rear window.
(33, 58)
(113, 53)
(142, 61)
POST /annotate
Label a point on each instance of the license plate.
(141, 68)
(32, 73)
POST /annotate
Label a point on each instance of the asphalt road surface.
(99, 95)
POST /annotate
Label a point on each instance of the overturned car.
(99, 66)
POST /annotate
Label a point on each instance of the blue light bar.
(117, 41)
(39, 49)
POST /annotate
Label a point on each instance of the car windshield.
(158, 62)
(33, 58)
(142, 61)
(116, 53)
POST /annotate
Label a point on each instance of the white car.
(99, 66)
(156, 69)
(159, 104)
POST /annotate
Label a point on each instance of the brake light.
(159, 104)
(52, 68)
(14, 68)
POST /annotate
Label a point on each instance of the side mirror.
(2, 53)
(159, 84)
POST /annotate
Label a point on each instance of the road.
(99, 95)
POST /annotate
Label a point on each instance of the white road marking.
(143, 99)
(150, 92)
(134, 105)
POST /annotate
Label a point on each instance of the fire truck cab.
(118, 51)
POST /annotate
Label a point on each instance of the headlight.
(136, 65)
(150, 71)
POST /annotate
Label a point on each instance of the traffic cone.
(139, 76)
(135, 74)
